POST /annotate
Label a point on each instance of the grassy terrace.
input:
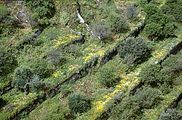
(67, 73)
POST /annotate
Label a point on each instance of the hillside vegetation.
(91, 60)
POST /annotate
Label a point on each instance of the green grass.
(15, 102)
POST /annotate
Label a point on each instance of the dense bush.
(131, 107)
(37, 84)
(126, 110)
(153, 31)
(42, 10)
(41, 68)
(150, 9)
(159, 26)
(3, 11)
(7, 62)
(143, 2)
(147, 97)
(107, 76)
(78, 103)
(151, 75)
(133, 50)
(154, 75)
(170, 114)
(23, 76)
(173, 65)
(173, 7)
(27, 81)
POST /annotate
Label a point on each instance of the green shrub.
(107, 76)
(78, 103)
(48, 34)
(159, 18)
(151, 75)
(159, 26)
(3, 11)
(143, 2)
(42, 10)
(23, 75)
(133, 50)
(128, 109)
(154, 75)
(170, 114)
(173, 64)
(7, 62)
(173, 7)
(27, 81)
(150, 9)
(8, 23)
(153, 31)
(147, 97)
(36, 84)
(41, 68)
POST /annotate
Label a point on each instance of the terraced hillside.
(91, 60)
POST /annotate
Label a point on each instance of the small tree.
(133, 50)
(174, 8)
(150, 9)
(41, 68)
(107, 76)
(78, 103)
(23, 76)
(56, 58)
(150, 75)
(130, 108)
(159, 26)
(42, 10)
(102, 31)
(117, 23)
(148, 97)
(153, 31)
(27, 81)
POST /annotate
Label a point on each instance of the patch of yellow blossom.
(159, 54)
(23, 99)
(73, 67)
(64, 39)
(57, 74)
(91, 55)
